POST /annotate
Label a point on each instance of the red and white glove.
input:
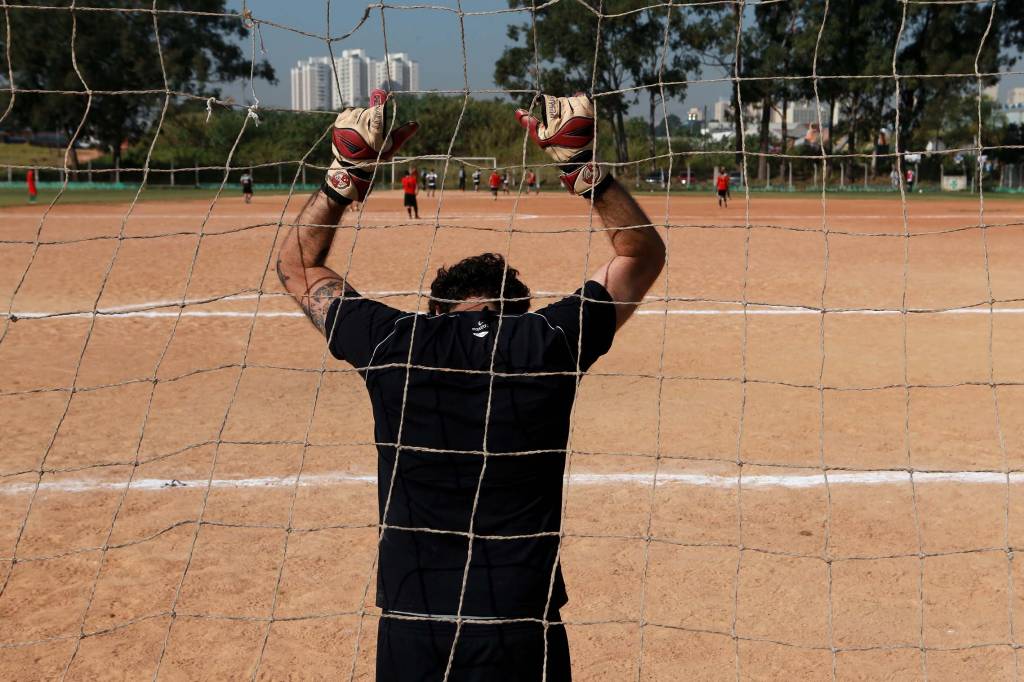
(359, 140)
(566, 133)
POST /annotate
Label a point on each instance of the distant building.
(1016, 97)
(722, 110)
(804, 113)
(352, 74)
(695, 114)
(320, 84)
(311, 84)
(397, 73)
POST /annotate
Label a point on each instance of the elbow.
(658, 254)
(285, 271)
(280, 272)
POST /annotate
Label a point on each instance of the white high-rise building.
(318, 84)
(352, 87)
(311, 84)
(1016, 97)
(397, 73)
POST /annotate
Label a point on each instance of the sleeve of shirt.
(355, 326)
(598, 322)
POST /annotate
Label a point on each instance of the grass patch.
(25, 154)
(28, 155)
(19, 197)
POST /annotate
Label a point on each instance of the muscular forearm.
(618, 209)
(303, 254)
(307, 243)
(639, 250)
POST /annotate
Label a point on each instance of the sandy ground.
(779, 493)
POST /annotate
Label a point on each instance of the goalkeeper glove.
(359, 139)
(566, 133)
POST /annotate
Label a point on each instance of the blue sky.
(430, 35)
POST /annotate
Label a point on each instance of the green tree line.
(841, 54)
(883, 72)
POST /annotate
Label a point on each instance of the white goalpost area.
(471, 161)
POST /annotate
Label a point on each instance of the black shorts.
(247, 189)
(410, 200)
(494, 191)
(409, 651)
(723, 193)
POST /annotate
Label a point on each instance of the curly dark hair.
(479, 276)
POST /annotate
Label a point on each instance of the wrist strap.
(345, 184)
(333, 195)
(583, 177)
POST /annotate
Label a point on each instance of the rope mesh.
(183, 303)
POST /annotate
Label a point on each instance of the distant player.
(504, 184)
(531, 182)
(246, 181)
(494, 182)
(722, 185)
(30, 184)
(431, 182)
(409, 187)
(462, 178)
(476, 180)
(911, 176)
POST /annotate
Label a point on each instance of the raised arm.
(360, 139)
(301, 258)
(566, 132)
(639, 250)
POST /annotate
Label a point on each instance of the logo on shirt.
(481, 329)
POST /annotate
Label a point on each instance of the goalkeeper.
(489, 436)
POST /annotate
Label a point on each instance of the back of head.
(479, 277)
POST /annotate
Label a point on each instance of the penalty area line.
(791, 481)
(695, 312)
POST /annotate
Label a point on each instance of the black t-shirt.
(442, 440)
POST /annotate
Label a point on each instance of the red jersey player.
(722, 185)
(409, 191)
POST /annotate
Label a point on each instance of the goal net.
(801, 459)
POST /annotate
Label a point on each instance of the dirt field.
(756, 491)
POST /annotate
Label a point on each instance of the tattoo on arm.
(318, 300)
(280, 273)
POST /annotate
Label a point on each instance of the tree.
(769, 50)
(626, 43)
(674, 125)
(714, 34)
(945, 39)
(656, 59)
(117, 51)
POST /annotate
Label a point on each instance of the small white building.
(311, 84)
(397, 73)
(351, 76)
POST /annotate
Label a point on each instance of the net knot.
(247, 19)
(209, 107)
(251, 113)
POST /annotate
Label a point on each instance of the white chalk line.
(791, 481)
(273, 217)
(698, 312)
(146, 309)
